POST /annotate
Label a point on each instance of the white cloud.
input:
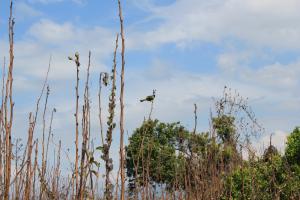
(25, 11)
(232, 62)
(274, 75)
(257, 22)
(278, 75)
(60, 40)
(51, 32)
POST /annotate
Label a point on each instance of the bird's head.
(154, 91)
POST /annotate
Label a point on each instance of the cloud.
(232, 62)
(274, 75)
(46, 37)
(258, 23)
(278, 75)
(25, 11)
(160, 70)
(53, 33)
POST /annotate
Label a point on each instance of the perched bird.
(149, 98)
(105, 78)
(77, 56)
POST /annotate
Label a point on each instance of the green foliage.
(198, 144)
(160, 153)
(272, 177)
(151, 153)
(167, 154)
(270, 152)
(292, 151)
(224, 125)
(263, 180)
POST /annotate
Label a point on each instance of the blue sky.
(186, 49)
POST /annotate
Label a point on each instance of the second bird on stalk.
(149, 98)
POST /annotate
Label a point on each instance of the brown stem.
(9, 119)
(85, 133)
(43, 138)
(27, 191)
(77, 62)
(100, 108)
(122, 159)
(34, 169)
(2, 129)
(111, 126)
(196, 117)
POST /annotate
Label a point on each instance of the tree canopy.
(292, 151)
(168, 156)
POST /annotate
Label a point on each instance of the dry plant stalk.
(48, 139)
(2, 134)
(43, 137)
(111, 126)
(77, 123)
(122, 157)
(29, 147)
(195, 118)
(34, 169)
(102, 75)
(32, 124)
(8, 115)
(27, 191)
(85, 133)
(2, 131)
(57, 173)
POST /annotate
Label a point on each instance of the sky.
(187, 50)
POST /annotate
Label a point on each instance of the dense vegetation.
(166, 157)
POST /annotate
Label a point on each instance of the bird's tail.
(142, 100)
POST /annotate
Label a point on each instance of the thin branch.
(122, 158)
